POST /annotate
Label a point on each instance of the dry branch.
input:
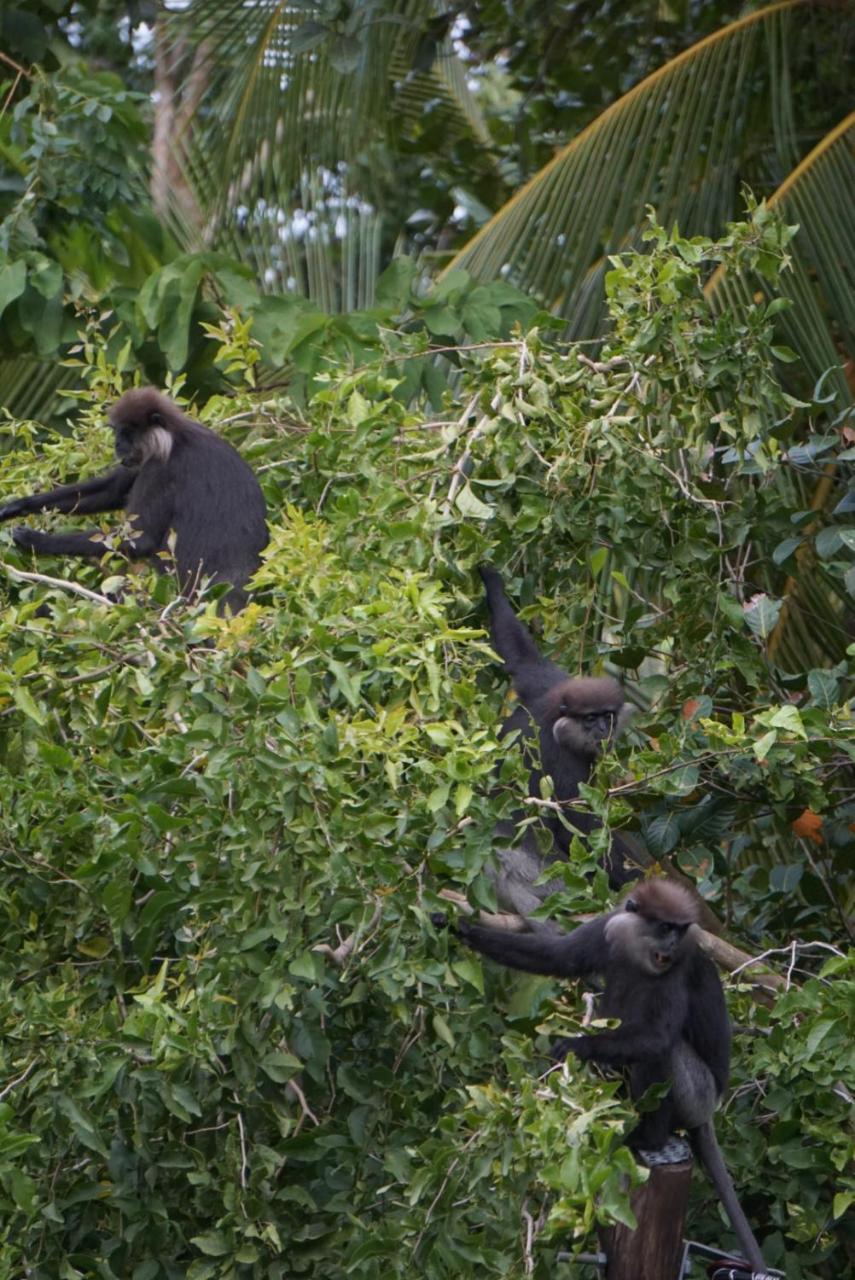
(346, 946)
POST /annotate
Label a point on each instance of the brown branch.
(346, 946)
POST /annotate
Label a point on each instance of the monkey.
(674, 1024)
(574, 717)
(174, 475)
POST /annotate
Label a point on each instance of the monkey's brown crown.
(137, 407)
(584, 695)
(661, 899)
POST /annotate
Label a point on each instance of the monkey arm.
(531, 673)
(102, 493)
(150, 539)
(652, 1021)
(511, 639)
(624, 1045)
(61, 544)
(708, 1023)
(568, 955)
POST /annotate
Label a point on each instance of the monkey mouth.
(661, 959)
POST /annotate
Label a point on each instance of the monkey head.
(143, 423)
(649, 930)
(585, 713)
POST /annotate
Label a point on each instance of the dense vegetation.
(233, 1044)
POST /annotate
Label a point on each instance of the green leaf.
(470, 505)
(762, 614)
(13, 281)
(281, 1067)
(25, 702)
(788, 719)
(824, 688)
(764, 745)
(214, 1243)
(443, 1030)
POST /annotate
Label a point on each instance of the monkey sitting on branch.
(175, 476)
(572, 718)
(674, 1026)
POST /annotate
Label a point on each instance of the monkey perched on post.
(668, 998)
(573, 718)
(174, 476)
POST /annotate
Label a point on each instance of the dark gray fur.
(174, 477)
(554, 708)
(668, 998)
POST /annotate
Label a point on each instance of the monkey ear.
(630, 905)
(155, 419)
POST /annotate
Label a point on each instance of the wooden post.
(654, 1250)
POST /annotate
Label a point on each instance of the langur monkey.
(175, 477)
(674, 1024)
(573, 719)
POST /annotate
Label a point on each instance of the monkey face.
(584, 713)
(136, 442)
(127, 444)
(664, 942)
(585, 732)
(650, 944)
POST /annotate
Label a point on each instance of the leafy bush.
(234, 1044)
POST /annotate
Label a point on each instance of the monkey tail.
(707, 1149)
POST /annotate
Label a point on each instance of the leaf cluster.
(234, 1044)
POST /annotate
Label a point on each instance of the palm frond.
(674, 141)
(820, 325)
(819, 196)
(288, 160)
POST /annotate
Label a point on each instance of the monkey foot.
(675, 1151)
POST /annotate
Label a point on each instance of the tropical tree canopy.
(564, 287)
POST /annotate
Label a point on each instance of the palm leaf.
(676, 140)
(819, 196)
(820, 325)
(291, 160)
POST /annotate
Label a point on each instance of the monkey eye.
(663, 930)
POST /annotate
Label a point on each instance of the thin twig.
(62, 583)
(449, 1171)
(602, 366)
(243, 1160)
(19, 1079)
(98, 673)
(341, 953)
(297, 1091)
(458, 476)
(792, 964)
(528, 1258)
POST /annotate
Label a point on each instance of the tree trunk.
(654, 1250)
(180, 81)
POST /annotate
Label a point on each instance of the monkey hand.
(26, 538)
(490, 575)
(17, 507)
(439, 919)
(583, 1047)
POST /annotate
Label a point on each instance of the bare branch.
(345, 948)
(62, 583)
(18, 1079)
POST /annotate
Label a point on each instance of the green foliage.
(233, 1042)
